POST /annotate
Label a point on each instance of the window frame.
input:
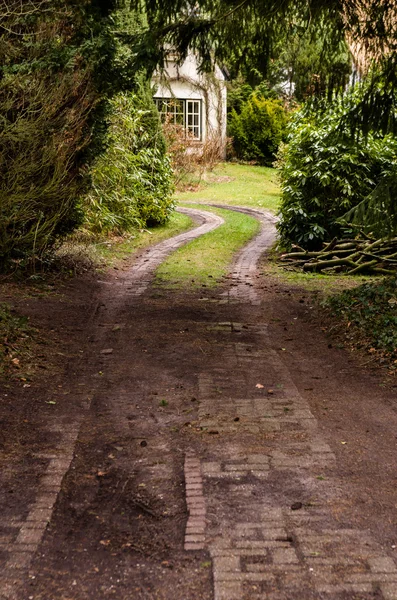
(191, 114)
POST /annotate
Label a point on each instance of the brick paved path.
(260, 488)
(264, 541)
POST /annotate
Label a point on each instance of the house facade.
(195, 101)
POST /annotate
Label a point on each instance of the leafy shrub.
(370, 313)
(38, 182)
(60, 62)
(259, 128)
(377, 213)
(326, 171)
(238, 93)
(132, 180)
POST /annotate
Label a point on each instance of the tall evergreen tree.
(249, 30)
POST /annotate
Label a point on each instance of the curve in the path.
(270, 452)
(143, 268)
(245, 265)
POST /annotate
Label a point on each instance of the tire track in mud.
(245, 266)
(22, 544)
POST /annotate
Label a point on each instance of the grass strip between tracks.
(205, 260)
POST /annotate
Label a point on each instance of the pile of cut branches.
(350, 256)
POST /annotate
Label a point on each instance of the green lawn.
(237, 185)
(205, 260)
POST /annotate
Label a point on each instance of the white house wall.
(184, 82)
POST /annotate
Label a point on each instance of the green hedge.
(258, 129)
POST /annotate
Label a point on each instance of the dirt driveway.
(210, 444)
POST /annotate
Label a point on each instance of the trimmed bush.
(259, 129)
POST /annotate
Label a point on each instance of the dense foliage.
(132, 180)
(325, 171)
(258, 129)
(61, 63)
(44, 108)
(302, 65)
(246, 33)
(306, 66)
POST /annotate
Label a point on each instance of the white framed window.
(193, 118)
(182, 112)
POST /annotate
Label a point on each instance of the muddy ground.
(116, 404)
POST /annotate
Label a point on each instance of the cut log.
(363, 267)
(321, 264)
(331, 245)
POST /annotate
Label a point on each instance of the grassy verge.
(81, 254)
(237, 185)
(206, 260)
(324, 285)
